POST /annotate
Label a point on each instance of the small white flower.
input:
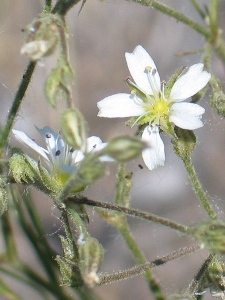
(150, 103)
(60, 158)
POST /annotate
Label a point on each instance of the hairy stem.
(140, 258)
(132, 212)
(105, 279)
(175, 14)
(198, 188)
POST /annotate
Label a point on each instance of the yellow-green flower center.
(160, 108)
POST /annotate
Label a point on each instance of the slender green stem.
(198, 9)
(194, 286)
(132, 212)
(63, 6)
(214, 19)
(198, 188)
(140, 258)
(16, 104)
(10, 244)
(42, 249)
(7, 292)
(48, 6)
(106, 279)
(175, 14)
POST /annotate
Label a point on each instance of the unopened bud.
(211, 236)
(90, 258)
(22, 170)
(125, 148)
(41, 36)
(218, 101)
(74, 129)
(57, 85)
(70, 272)
(184, 143)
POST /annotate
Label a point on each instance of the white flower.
(60, 159)
(150, 103)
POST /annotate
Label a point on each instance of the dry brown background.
(99, 37)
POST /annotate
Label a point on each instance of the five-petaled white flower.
(153, 103)
(60, 159)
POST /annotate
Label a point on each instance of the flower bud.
(74, 129)
(22, 170)
(57, 85)
(90, 258)
(218, 101)
(125, 148)
(184, 143)
(41, 36)
(211, 236)
(70, 272)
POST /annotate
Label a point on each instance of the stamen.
(48, 135)
(58, 152)
(71, 150)
(94, 146)
(154, 71)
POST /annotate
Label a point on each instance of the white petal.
(154, 156)
(120, 106)
(137, 63)
(53, 140)
(77, 156)
(187, 115)
(22, 137)
(94, 143)
(190, 83)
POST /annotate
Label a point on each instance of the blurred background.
(98, 39)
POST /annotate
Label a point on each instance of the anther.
(48, 135)
(71, 150)
(154, 71)
(58, 152)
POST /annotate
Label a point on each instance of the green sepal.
(70, 273)
(91, 254)
(125, 148)
(42, 35)
(48, 181)
(89, 171)
(184, 143)
(211, 236)
(74, 129)
(218, 97)
(172, 80)
(57, 85)
(23, 168)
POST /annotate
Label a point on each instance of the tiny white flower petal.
(93, 143)
(186, 115)
(120, 106)
(154, 155)
(190, 83)
(22, 137)
(53, 140)
(137, 63)
(77, 156)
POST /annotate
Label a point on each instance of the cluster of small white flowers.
(148, 103)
